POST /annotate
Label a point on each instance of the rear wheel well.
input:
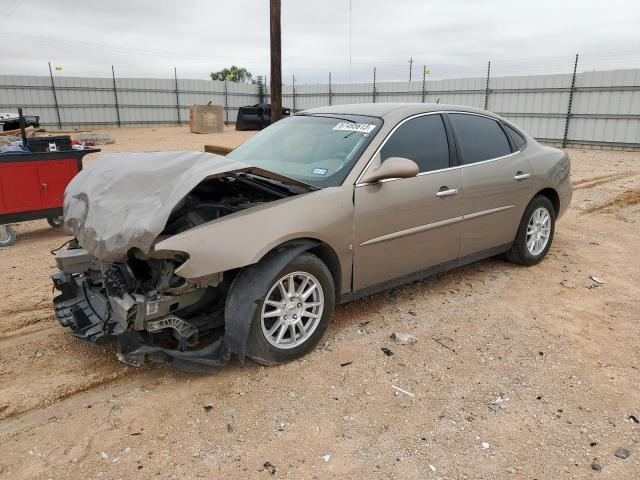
(553, 197)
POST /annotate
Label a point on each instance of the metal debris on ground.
(403, 391)
(439, 342)
(386, 351)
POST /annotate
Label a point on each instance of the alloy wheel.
(292, 310)
(538, 231)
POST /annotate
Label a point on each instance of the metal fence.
(599, 108)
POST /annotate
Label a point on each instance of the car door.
(405, 225)
(495, 177)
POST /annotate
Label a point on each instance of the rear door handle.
(445, 192)
(521, 176)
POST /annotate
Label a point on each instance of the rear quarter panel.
(551, 169)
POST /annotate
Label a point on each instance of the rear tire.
(535, 232)
(284, 304)
(7, 236)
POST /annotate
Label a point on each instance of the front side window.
(421, 139)
(479, 138)
(318, 150)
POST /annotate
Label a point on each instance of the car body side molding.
(422, 274)
(411, 231)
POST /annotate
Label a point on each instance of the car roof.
(391, 110)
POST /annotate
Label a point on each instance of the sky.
(453, 38)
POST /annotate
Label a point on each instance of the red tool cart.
(32, 186)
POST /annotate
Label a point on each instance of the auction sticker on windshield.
(354, 127)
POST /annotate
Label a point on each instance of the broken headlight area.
(139, 302)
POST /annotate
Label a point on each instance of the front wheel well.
(553, 197)
(325, 253)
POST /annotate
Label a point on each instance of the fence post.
(573, 87)
(175, 73)
(374, 84)
(55, 97)
(226, 103)
(424, 81)
(293, 92)
(329, 88)
(115, 94)
(486, 90)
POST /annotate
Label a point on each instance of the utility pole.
(276, 65)
(410, 68)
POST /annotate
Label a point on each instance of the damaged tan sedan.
(191, 258)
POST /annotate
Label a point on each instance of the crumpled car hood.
(123, 200)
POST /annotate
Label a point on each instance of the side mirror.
(393, 167)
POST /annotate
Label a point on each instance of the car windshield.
(318, 150)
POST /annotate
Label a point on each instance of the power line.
(10, 12)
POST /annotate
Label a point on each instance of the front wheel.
(535, 232)
(295, 312)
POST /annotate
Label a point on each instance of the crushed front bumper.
(87, 311)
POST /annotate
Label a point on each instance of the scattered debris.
(439, 342)
(622, 453)
(326, 457)
(327, 347)
(403, 338)
(432, 468)
(596, 282)
(412, 312)
(270, 467)
(345, 364)
(402, 390)
(500, 399)
(485, 445)
(229, 428)
(596, 466)
(208, 407)
(634, 419)
(386, 351)
(104, 456)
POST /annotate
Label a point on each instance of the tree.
(233, 74)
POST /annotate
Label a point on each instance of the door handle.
(521, 176)
(445, 192)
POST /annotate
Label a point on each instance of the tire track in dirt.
(7, 413)
(600, 180)
(75, 399)
(625, 199)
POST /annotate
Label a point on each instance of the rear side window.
(479, 138)
(421, 139)
(515, 135)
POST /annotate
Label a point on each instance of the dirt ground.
(529, 373)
